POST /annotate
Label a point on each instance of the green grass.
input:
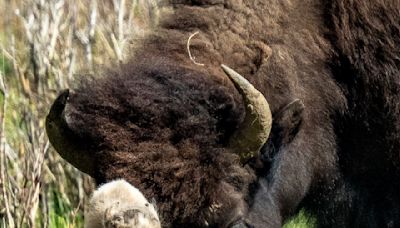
(62, 214)
(301, 220)
(5, 65)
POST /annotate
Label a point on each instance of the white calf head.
(118, 204)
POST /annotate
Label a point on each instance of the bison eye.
(288, 120)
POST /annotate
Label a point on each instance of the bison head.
(182, 135)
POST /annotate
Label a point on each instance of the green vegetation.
(301, 220)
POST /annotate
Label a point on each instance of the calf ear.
(288, 120)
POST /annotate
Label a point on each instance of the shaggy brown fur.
(162, 122)
(164, 129)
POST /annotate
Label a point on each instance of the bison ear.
(288, 120)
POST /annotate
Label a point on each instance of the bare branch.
(3, 162)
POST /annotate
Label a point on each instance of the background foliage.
(44, 46)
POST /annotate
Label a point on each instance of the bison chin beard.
(228, 206)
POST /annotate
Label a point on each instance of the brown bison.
(189, 137)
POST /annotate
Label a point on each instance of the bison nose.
(241, 224)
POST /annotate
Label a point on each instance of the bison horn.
(66, 143)
(255, 128)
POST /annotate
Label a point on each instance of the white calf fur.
(118, 204)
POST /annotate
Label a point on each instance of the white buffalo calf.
(118, 204)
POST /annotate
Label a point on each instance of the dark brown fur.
(165, 130)
(162, 122)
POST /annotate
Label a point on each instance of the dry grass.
(44, 45)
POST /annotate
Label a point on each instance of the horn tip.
(225, 68)
(63, 97)
(59, 104)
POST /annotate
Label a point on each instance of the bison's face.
(181, 136)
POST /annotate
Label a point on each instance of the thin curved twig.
(188, 49)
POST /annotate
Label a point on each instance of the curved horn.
(68, 145)
(256, 126)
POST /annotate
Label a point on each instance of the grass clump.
(301, 220)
